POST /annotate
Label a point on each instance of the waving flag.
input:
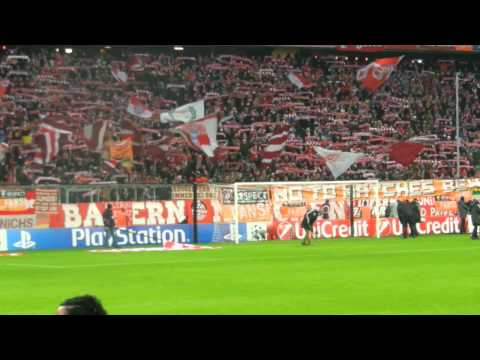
(119, 75)
(186, 113)
(4, 84)
(136, 108)
(49, 136)
(338, 161)
(277, 143)
(405, 153)
(299, 81)
(375, 74)
(95, 134)
(201, 135)
(110, 166)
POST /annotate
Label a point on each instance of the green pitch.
(427, 275)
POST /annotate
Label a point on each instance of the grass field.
(428, 275)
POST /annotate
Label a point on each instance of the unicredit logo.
(284, 229)
(25, 241)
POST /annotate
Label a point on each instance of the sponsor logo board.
(84, 238)
(17, 221)
(3, 240)
(25, 241)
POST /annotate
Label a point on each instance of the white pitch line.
(243, 259)
(36, 265)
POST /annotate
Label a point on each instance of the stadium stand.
(253, 96)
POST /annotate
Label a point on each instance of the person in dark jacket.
(307, 224)
(475, 212)
(388, 210)
(109, 224)
(403, 217)
(463, 211)
(415, 217)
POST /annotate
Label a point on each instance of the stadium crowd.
(253, 96)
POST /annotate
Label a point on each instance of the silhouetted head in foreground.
(81, 305)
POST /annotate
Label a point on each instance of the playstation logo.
(25, 241)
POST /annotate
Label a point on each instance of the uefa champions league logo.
(25, 241)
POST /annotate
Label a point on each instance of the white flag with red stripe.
(48, 139)
(95, 134)
(338, 161)
(119, 75)
(137, 108)
(299, 81)
(375, 74)
(277, 143)
(201, 135)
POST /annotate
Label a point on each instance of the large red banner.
(131, 213)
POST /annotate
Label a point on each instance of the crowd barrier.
(36, 218)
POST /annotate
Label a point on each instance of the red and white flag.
(338, 161)
(4, 84)
(119, 75)
(95, 134)
(48, 138)
(136, 64)
(201, 135)
(110, 166)
(277, 143)
(299, 81)
(405, 153)
(375, 74)
(137, 108)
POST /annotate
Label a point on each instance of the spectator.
(81, 305)
(79, 89)
(462, 213)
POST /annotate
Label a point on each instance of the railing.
(70, 194)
